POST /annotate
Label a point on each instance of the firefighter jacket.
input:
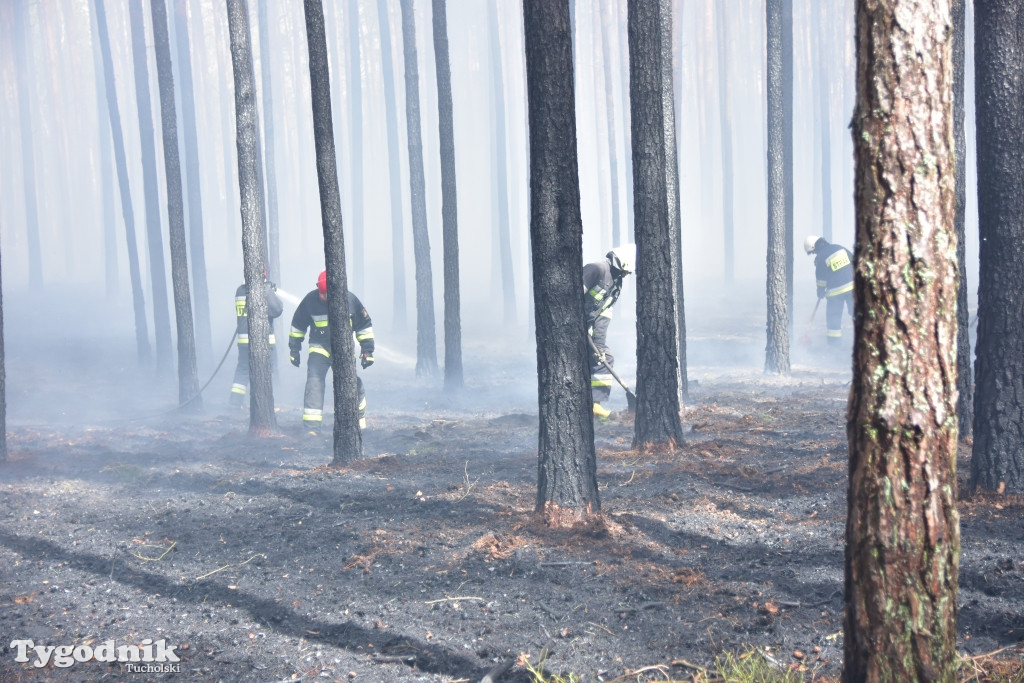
(833, 267)
(601, 290)
(312, 315)
(274, 309)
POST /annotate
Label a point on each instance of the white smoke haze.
(70, 331)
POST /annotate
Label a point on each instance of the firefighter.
(312, 315)
(833, 267)
(275, 308)
(602, 284)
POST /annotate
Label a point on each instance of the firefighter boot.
(601, 412)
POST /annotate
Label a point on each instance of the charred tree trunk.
(188, 376)
(197, 250)
(121, 165)
(348, 441)
(725, 127)
(499, 145)
(902, 530)
(394, 168)
(28, 156)
(426, 336)
(997, 462)
(777, 350)
(657, 389)
(449, 204)
(355, 98)
(151, 195)
(675, 223)
(566, 459)
(262, 420)
(964, 373)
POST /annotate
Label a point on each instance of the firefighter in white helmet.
(833, 267)
(602, 284)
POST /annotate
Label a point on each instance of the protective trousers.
(600, 379)
(313, 400)
(834, 306)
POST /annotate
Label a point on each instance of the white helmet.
(623, 258)
(809, 243)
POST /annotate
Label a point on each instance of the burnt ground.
(421, 562)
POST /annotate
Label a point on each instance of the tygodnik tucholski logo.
(149, 656)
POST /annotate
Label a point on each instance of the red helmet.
(321, 283)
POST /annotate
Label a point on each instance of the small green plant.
(752, 666)
(539, 675)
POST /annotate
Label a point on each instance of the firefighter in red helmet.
(311, 315)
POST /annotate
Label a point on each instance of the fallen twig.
(566, 563)
(660, 668)
(156, 559)
(995, 652)
(447, 599)
(394, 659)
(220, 569)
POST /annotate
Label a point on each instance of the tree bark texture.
(657, 411)
(566, 459)
(204, 337)
(348, 441)
(262, 420)
(399, 312)
(997, 462)
(777, 350)
(28, 157)
(426, 336)
(151, 195)
(188, 375)
(964, 371)
(121, 166)
(449, 203)
(902, 532)
(355, 99)
(675, 223)
(787, 153)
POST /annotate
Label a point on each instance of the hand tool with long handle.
(630, 396)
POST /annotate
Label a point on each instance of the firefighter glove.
(366, 359)
(294, 358)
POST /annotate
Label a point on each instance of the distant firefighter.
(274, 309)
(312, 315)
(833, 267)
(602, 284)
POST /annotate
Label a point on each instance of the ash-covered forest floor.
(420, 562)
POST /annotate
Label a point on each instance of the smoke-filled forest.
(684, 340)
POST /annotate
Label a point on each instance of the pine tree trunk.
(657, 411)
(269, 156)
(997, 462)
(964, 373)
(902, 532)
(566, 459)
(151, 194)
(121, 165)
(777, 350)
(725, 128)
(675, 223)
(28, 156)
(787, 157)
(823, 46)
(348, 441)
(262, 420)
(399, 312)
(426, 336)
(449, 204)
(608, 88)
(188, 376)
(197, 250)
(499, 145)
(106, 178)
